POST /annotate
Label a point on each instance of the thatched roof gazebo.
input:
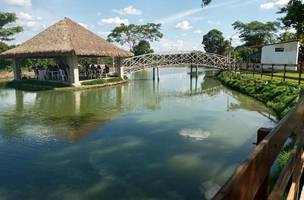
(65, 39)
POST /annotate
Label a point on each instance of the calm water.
(145, 140)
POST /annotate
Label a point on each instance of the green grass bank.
(278, 95)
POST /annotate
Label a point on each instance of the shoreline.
(35, 86)
(276, 95)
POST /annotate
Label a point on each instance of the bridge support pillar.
(158, 74)
(196, 70)
(153, 73)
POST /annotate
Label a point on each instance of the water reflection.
(144, 140)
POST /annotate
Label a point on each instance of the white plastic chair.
(41, 74)
(62, 75)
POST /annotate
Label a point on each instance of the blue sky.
(184, 22)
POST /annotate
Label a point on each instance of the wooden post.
(191, 71)
(284, 72)
(300, 73)
(158, 74)
(272, 69)
(196, 70)
(263, 191)
(261, 70)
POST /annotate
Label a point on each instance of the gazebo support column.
(72, 62)
(119, 70)
(17, 68)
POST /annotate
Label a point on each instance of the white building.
(280, 54)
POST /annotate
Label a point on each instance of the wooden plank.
(257, 166)
(295, 186)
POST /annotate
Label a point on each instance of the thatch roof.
(66, 37)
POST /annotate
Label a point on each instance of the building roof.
(66, 37)
(290, 41)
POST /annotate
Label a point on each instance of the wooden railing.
(251, 180)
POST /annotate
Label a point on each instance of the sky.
(184, 22)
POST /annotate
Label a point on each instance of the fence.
(251, 179)
(273, 70)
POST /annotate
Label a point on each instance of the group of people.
(60, 72)
(51, 72)
(93, 71)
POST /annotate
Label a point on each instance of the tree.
(243, 52)
(214, 42)
(143, 47)
(257, 33)
(287, 36)
(6, 32)
(132, 34)
(205, 2)
(294, 18)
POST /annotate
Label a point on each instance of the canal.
(172, 139)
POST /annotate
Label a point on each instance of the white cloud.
(130, 10)
(184, 25)
(19, 3)
(187, 13)
(274, 3)
(29, 22)
(113, 21)
(178, 16)
(24, 16)
(167, 44)
(198, 32)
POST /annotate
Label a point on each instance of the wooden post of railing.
(272, 69)
(263, 192)
(284, 72)
(196, 70)
(300, 73)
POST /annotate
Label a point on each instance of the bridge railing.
(251, 179)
